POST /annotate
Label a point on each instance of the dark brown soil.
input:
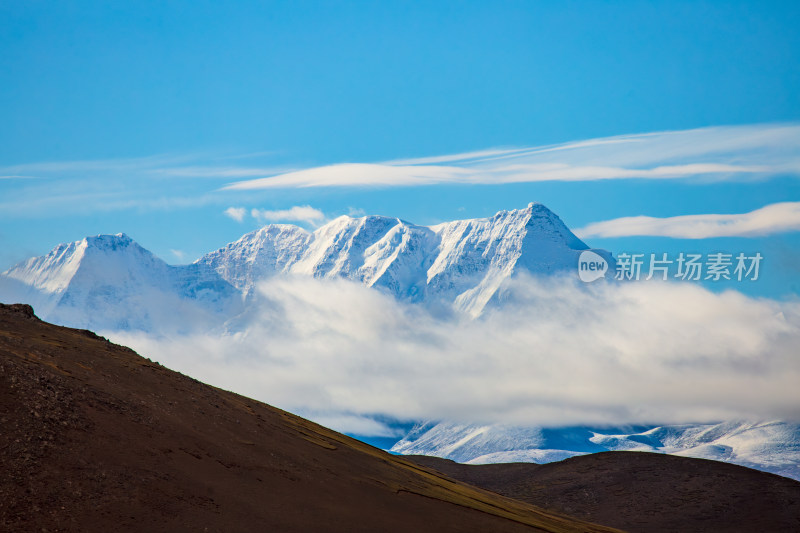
(645, 492)
(94, 437)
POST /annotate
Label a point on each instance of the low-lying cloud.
(556, 353)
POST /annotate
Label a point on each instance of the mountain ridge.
(770, 446)
(643, 492)
(461, 263)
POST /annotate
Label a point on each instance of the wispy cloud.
(375, 175)
(235, 213)
(218, 172)
(298, 213)
(173, 165)
(464, 156)
(101, 165)
(356, 174)
(171, 181)
(160, 182)
(771, 219)
(740, 152)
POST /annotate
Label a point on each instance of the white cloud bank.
(768, 220)
(559, 353)
(734, 152)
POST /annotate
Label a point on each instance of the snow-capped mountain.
(772, 446)
(462, 262)
(109, 282)
(377, 251)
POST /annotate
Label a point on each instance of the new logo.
(591, 266)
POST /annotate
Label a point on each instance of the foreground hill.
(97, 438)
(647, 492)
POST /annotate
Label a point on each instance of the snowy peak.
(338, 249)
(110, 243)
(399, 260)
(377, 251)
(257, 255)
(49, 277)
(477, 256)
(54, 271)
(543, 224)
(110, 282)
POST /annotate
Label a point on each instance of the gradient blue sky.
(133, 117)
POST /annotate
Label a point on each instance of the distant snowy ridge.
(464, 261)
(772, 446)
(110, 282)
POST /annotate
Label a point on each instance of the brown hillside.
(95, 438)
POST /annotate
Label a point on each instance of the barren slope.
(647, 492)
(96, 438)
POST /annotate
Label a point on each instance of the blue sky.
(139, 117)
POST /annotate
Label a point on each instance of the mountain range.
(109, 282)
(771, 446)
